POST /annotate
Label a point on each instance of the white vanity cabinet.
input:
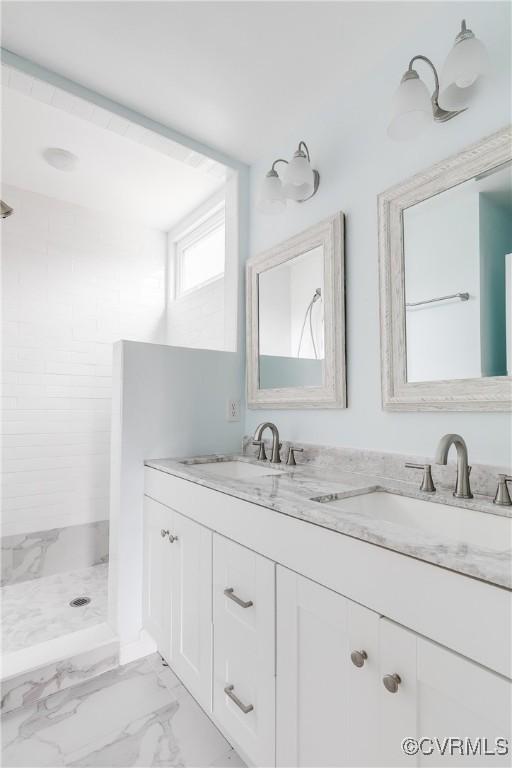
(291, 635)
(244, 642)
(177, 595)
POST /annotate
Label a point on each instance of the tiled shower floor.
(39, 610)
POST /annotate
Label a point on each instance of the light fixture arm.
(279, 160)
(303, 144)
(440, 115)
(420, 57)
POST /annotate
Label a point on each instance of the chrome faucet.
(462, 487)
(276, 445)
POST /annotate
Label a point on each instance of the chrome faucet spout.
(462, 486)
(275, 458)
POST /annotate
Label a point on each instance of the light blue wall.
(357, 161)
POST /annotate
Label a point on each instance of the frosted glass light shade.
(271, 198)
(298, 177)
(297, 191)
(411, 108)
(466, 63)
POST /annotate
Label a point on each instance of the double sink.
(459, 524)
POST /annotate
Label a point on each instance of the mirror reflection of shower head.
(5, 210)
(317, 295)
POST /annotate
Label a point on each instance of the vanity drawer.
(244, 659)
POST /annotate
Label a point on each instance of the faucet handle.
(262, 456)
(291, 455)
(502, 497)
(427, 484)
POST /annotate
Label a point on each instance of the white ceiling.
(115, 174)
(235, 75)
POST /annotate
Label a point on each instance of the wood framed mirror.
(296, 321)
(445, 263)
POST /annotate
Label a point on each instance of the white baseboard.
(144, 646)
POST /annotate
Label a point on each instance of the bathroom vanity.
(321, 617)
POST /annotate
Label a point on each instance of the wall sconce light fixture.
(299, 182)
(413, 107)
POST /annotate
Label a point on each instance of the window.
(200, 254)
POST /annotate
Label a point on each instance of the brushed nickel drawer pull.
(164, 533)
(245, 708)
(230, 592)
(172, 538)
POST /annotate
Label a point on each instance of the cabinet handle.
(164, 533)
(246, 708)
(172, 538)
(230, 592)
(358, 658)
(391, 682)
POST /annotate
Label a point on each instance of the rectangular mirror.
(295, 313)
(446, 284)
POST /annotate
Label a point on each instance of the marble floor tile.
(230, 760)
(39, 610)
(136, 715)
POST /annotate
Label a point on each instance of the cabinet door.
(398, 710)
(363, 707)
(244, 649)
(191, 625)
(312, 673)
(158, 523)
(441, 695)
(326, 703)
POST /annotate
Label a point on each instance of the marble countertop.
(293, 492)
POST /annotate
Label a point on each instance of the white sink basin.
(444, 522)
(239, 470)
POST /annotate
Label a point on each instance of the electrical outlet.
(233, 410)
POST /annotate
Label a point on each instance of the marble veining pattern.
(29, 687)
(293, 491)
(39, 610)
(389, 466)
(44, 553)
(138, 714)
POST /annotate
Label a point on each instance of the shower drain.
(77, 602)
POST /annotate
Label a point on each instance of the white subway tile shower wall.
(197, 319)
(73, 282)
